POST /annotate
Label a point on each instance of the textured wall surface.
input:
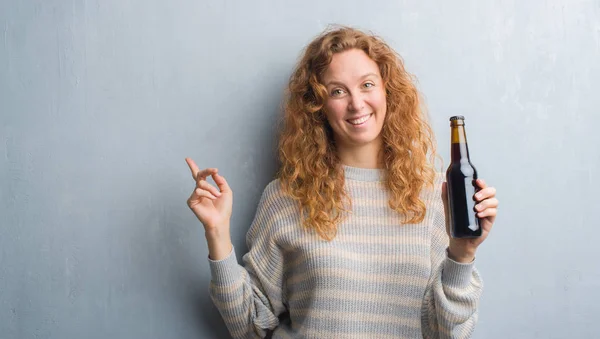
(101, 101)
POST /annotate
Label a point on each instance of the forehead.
(350, 65)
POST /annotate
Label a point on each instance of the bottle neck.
(459, 149)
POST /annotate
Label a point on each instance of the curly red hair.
(311, 172)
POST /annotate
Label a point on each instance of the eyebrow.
(332, 82)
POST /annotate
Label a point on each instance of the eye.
(369, 85)
(337, 92)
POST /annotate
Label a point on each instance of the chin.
(363, 141)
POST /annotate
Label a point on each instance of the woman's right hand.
(212, 206)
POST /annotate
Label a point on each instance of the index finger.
(193, 167)
(196, 173)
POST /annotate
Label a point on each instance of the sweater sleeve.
(451, 299)
(249, 297)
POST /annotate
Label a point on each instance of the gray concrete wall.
(101, 101)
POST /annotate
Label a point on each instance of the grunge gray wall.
(101, 101)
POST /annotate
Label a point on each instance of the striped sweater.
(376, 279)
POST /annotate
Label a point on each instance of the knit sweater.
(378, 278)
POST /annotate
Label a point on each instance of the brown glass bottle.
(461, 187)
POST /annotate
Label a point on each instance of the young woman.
(350, 240)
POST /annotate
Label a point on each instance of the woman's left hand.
(463, 250)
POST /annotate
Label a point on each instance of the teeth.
(359, 121)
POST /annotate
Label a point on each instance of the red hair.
(311, 172)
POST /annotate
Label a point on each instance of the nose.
(357, 103)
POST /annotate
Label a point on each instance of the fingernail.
(478, 207)
(478, 196)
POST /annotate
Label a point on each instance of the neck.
(362, 156)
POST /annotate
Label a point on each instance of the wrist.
(219, 244)
(217, 233)
(461, 255)
(217, 236)
(219, 250)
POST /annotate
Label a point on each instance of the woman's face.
(356, 102)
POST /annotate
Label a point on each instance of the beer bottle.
(461, 188)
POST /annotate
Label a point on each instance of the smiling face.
(356, 102)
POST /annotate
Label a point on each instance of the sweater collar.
(364, 174)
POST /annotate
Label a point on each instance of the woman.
(350, 240)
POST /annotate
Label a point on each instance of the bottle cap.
(457, 117)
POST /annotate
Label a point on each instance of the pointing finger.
(197, 174)
(193, 167)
